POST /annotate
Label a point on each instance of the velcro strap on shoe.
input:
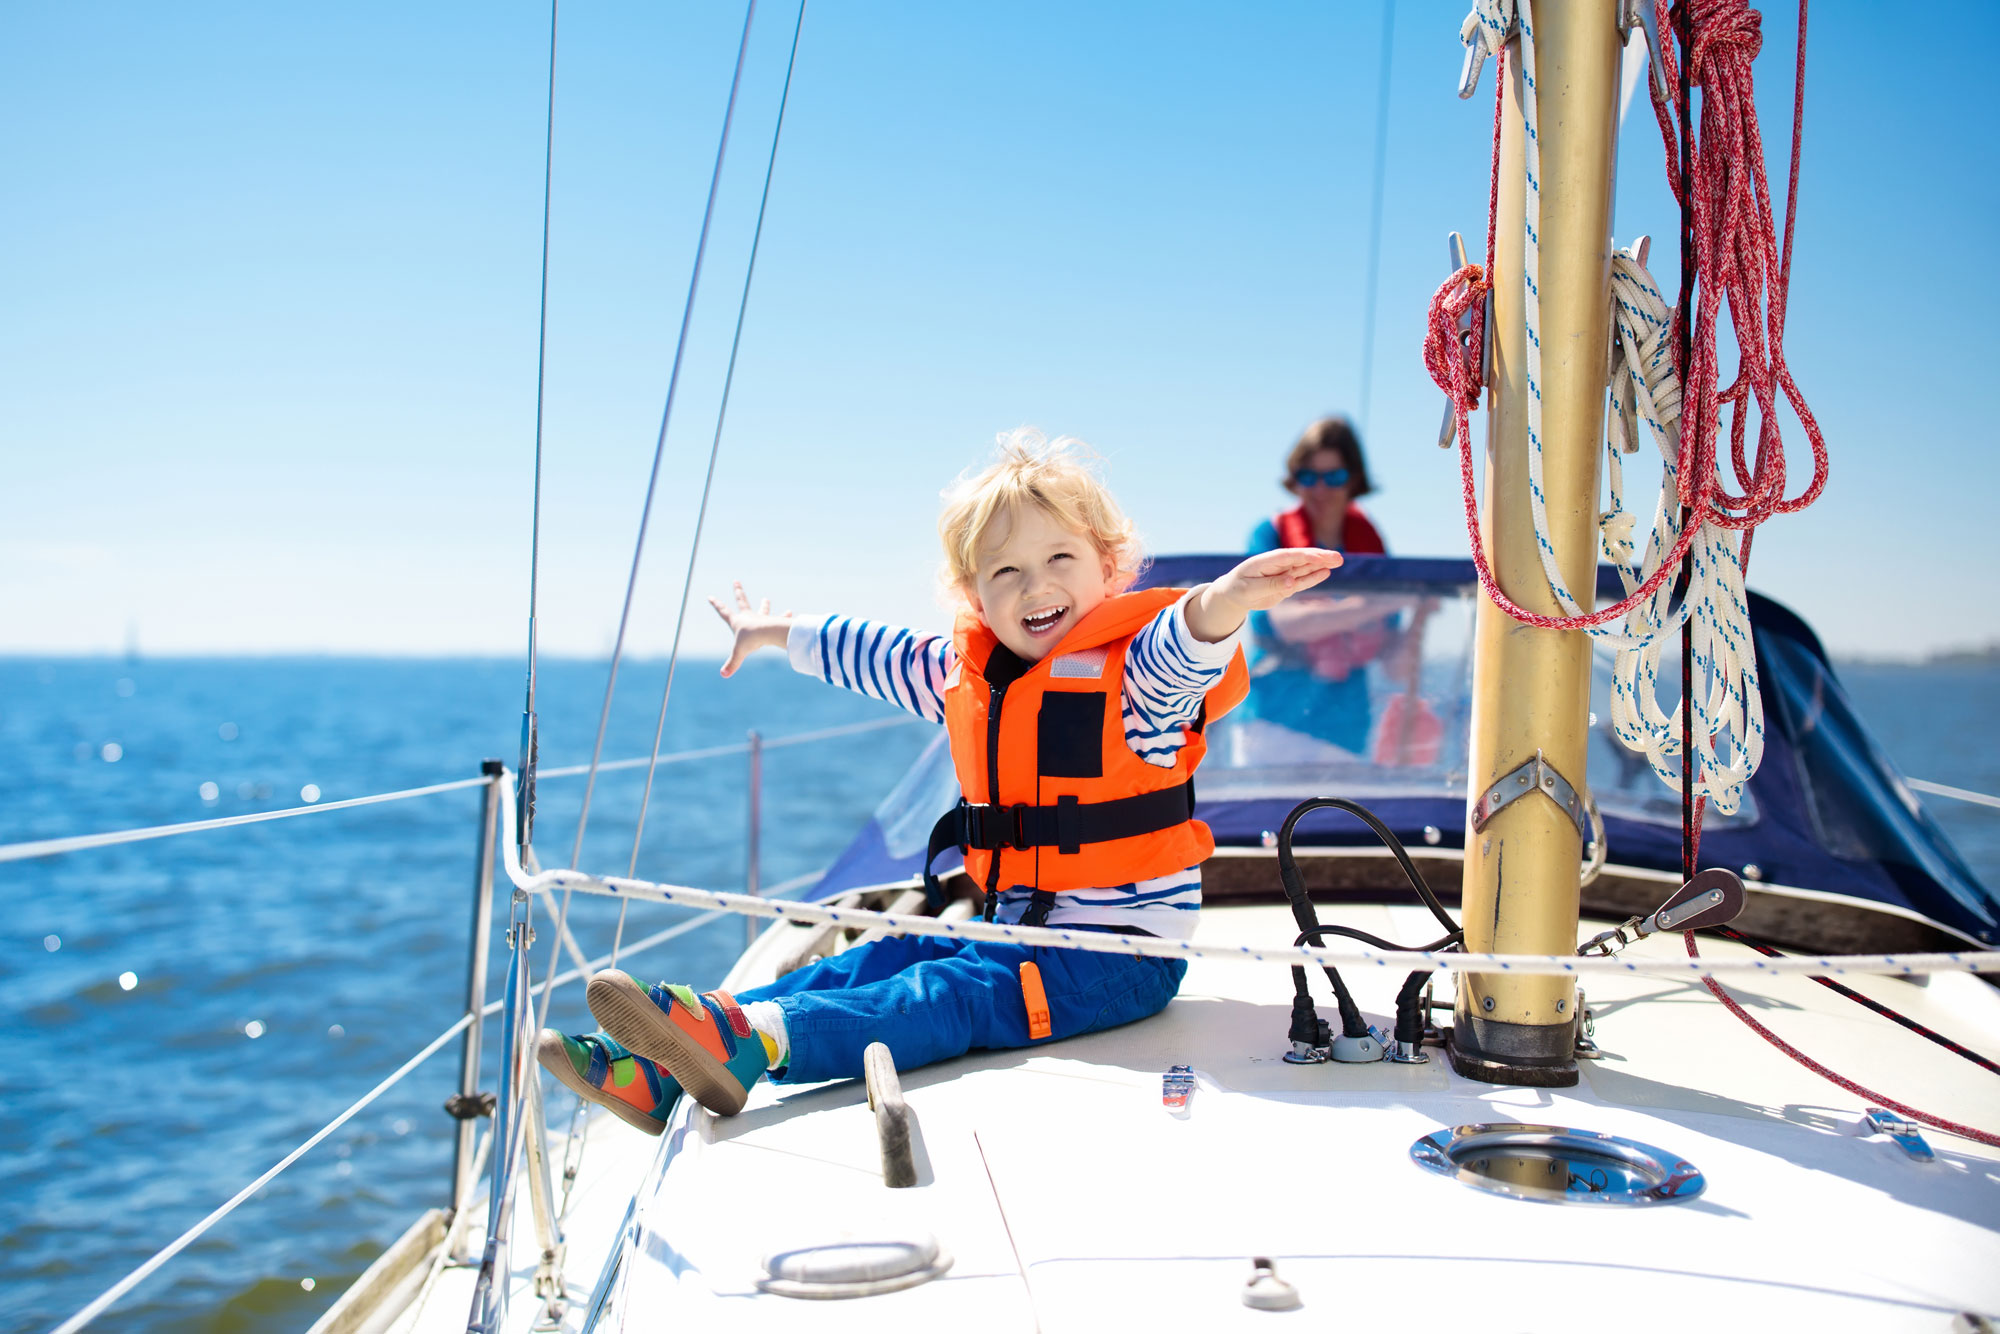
(722, 1025)
(739, 1023)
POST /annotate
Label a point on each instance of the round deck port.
(1557, 1165)
(854, 1268)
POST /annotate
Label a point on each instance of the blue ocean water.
(341, 938)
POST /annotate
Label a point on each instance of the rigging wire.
(525, 791)
(714, 450)
(1375, 224)
(652, 482)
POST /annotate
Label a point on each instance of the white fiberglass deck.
(1070, 1199)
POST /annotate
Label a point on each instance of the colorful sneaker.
(704, 1039)
(598, 1069)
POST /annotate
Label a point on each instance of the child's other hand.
(1258, 584)
(754, 629)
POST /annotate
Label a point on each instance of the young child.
(1082, 705)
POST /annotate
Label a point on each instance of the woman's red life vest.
(1357, 535)
(1054, 798)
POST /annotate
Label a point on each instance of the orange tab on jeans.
(1037, 1001)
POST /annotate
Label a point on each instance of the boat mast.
(1531, 686)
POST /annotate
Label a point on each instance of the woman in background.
(1309, 664)
(1327, 472)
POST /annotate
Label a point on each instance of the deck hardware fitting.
(1364, 1050)
(1557, 1165)
(854, 1268)
(892, 1117)
(1265, 1291)
(1535, 775)
(1907, 1136)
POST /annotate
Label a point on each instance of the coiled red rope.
(1738, 258)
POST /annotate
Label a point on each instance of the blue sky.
(268, 330)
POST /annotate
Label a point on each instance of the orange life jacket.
(1054, 797)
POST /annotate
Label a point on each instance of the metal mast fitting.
(1531, 687)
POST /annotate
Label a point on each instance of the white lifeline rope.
(1729, 715)
(1098, 942)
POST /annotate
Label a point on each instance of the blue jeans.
(931, 998)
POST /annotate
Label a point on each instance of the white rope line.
(1096, 942)
(180, 1243)
(1727, 706)
(49, 847)
(734, 748)
(1945, 790)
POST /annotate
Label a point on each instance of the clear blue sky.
(268, 350)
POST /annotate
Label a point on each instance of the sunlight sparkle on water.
(254, 1029)
(112, 752)
(128, 980)
(227, 731)
(307, 1284)
(309, 793)
(126, 687)
(52, 943)
(210, 792)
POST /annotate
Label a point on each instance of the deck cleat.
(1908, 1137)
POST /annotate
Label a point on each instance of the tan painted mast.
(1531, 687)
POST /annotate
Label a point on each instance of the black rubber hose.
(1410, 1014)
(1442, 942)
(1288, 866)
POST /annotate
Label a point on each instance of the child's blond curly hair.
(1058, 477)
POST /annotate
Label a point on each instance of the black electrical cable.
(1303, 912)
(1288, 866)
(1441, 943)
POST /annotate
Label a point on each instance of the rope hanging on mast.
(1735, 255)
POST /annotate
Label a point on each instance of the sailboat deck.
(1068, 1197)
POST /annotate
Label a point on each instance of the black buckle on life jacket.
(1066, 826)
(990, 828)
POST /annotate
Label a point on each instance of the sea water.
(177, 1015)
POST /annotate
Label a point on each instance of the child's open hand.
(754, 629)
(1258, 584)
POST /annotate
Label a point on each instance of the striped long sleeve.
(1167, 672)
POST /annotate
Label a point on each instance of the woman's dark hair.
(1337, 434)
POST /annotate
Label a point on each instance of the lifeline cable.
(714, 450)
(1098, 942)
(1375, 221)
(525, 794)
(653, 478)
(1715, 988)
(1869, 1002)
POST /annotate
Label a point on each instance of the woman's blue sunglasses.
(1331, 477)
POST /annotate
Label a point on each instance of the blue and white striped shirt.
(1167, 673)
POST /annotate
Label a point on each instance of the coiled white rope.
(1728, 711)
(1097, 942)
(1728, 706)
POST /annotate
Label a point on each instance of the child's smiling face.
(1036, 579)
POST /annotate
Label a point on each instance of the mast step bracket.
(1536, 775)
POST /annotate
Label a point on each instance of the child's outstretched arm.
(754, 629)
(1258, 584)
(899, 667)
